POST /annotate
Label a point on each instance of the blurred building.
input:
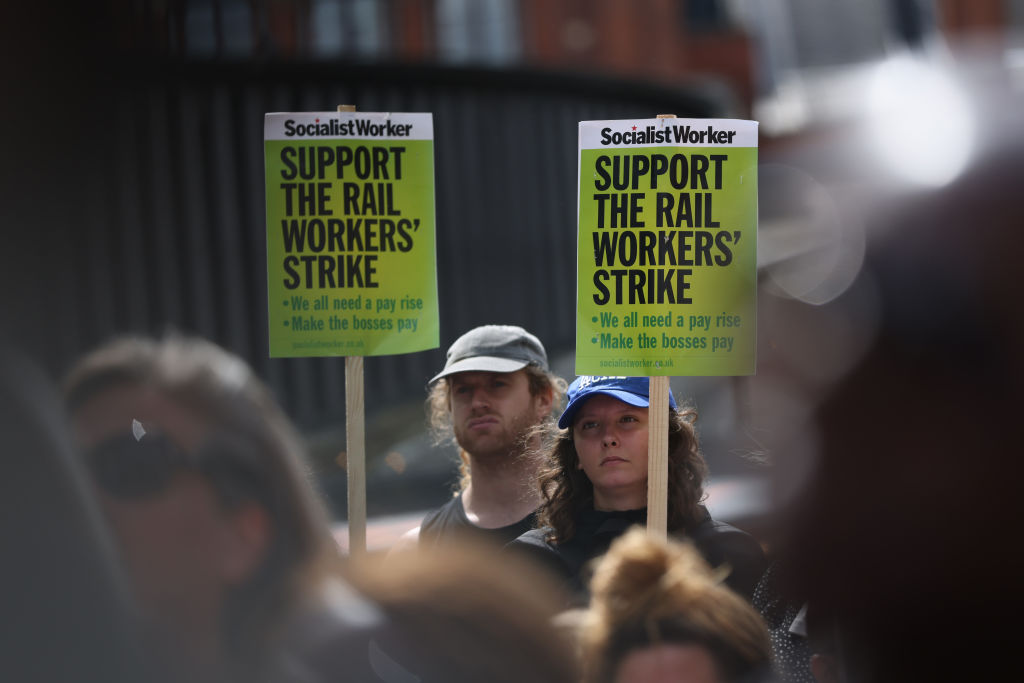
(748, 49)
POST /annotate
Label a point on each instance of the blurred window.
(478, 31)
(348, 27)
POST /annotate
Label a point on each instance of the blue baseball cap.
(632, 390)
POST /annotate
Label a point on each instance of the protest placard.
(667, 251)
(351, 263)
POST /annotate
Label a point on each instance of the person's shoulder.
(429, 527)
(450, 512)
(723, 544)
(544, 554)
(536, 538)
(719, 527)
(535, 544)
(713, 530)
(728, 539)
(452, 505)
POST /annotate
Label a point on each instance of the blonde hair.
(647, 592)
(459, 615)
(439, 413)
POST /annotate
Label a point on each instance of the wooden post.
(657, 458)
(355, 448)
(355, 443)
(657, 449)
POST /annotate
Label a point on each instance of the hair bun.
(640, 577)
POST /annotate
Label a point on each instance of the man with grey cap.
(492, 398)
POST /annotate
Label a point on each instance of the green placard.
(667, 251)
(351, 256)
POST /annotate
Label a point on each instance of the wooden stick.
(355, 443)
(657, 449)
(355, 447)
(657, 458)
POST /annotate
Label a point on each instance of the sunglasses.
(127, 466)
(142, 464)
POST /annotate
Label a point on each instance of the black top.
(791, 650)
(718, 542)
(449, 521)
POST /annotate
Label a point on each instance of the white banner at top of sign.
(334, 125)
(668, 133)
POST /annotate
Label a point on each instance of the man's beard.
(511, 443)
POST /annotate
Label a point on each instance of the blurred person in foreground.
(906, 539)
(594, 486)
(658, 613)
(200, 476)
(494, 391)
(460, 617)
(67, 616)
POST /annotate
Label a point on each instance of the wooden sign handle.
(657, 449)
(657, 458)
(355, 447)
(355, 443)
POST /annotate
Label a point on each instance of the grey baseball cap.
(493, 348)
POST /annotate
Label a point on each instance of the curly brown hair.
(567, 491)
(439, 412)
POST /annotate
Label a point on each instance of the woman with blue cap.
(594, 486)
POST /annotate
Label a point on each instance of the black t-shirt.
(450, 522)
(719, 543)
